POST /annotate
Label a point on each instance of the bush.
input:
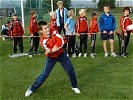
(101, 3)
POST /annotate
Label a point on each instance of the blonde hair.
(59, 2)
(82, 11)
(52, 13)
(32, 12)
(70, 13)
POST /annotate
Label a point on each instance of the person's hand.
(111, 32)
(104, 32)
(125, 34)
(31, 35)
(78, 34)
(89, 34)
(54, 49)
(23, 36)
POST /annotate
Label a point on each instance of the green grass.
(99, 79)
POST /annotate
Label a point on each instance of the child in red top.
(53, 44)
(53, 25)
(93, 29)
(124, 22)
(33, 28)
(82, 30)
(17, 33)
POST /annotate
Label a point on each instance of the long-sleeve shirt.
(93, 26)
(82, 25)
(53, 26)
(48, 42)
(107, 23)
(33, 26)
(124, 22)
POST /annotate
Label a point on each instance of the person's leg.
(15, 42)
(21, 48)
(60, 29)
(37, 38)
(127, 41)
(64, 30)
(69, 44)
(42, 77)
(105, 46)
(68, 67)
(73, 44)
(31, 45)
(85, 43)
(111, 45)
(81, 43)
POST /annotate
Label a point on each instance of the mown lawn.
(99, 79)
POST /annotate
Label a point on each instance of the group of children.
(53, 43)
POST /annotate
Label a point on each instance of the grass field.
(99, 79)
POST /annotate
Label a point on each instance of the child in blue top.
(70, 34)
(107, 26)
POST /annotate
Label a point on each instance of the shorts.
(107, 36)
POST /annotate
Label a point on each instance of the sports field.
(99, 79)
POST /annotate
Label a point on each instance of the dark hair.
(106, 6)
(32, 12)
(126, 8)
(40, 24)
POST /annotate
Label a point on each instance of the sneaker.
(113, 54)
(79, 55)
(106, 55)
(67, 55)
(95, 54)
(92, 55)
(28, 93)
(85, 54)
(123, 55)
(74, 55)
(76, 90)
(3, 38)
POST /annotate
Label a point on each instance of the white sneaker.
(79, 55)
(67, 55)
(85, 54)
(113, 54)
(74, 55)
(28, 93)
(106, 55)
(92, 55)
(3, 38)
(76, 90)
(95, 54)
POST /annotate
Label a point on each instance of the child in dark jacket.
(53, 44)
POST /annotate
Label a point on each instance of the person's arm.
(66, 27)
(101, 25)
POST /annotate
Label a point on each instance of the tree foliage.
(101, 3)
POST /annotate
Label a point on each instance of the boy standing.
(17, 33)
(93, 29)
(55, 53)
(124, 22)
(107, 26)
(70, 33)
(33, 28)
(82, 30)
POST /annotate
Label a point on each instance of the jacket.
(53, 26)
(33, 26)
(82, 25)
(124, 22)
(93, 26)
(16, 28)
(107, 23)
(48, 42)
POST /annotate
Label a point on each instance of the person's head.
(60, 4)
(94, 14)
(106, 8)
(7, 23)
(15, 16)
(70, 13)
(52, 14)
(82, 12)
(43, 28)
(33, 13)
(126, 11)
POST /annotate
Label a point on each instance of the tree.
(101, 3)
